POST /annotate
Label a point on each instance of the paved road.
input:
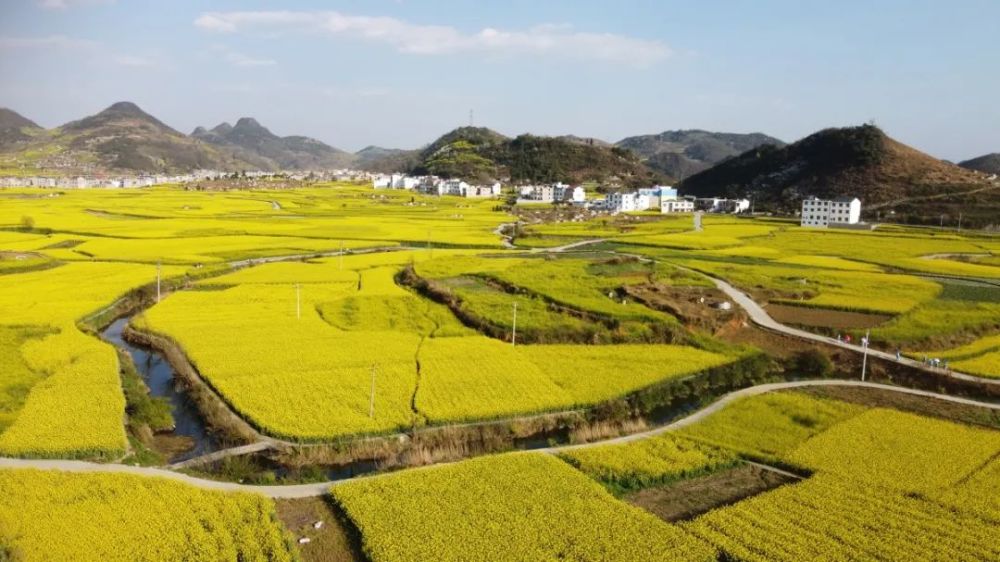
(567, 247)
(321, 488)
(763, 319)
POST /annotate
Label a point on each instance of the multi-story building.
(676, 205)
(620, 202)
(830, 212)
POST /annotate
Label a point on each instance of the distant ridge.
(679, 154)
(121, 137)
(861, 162)
(251, 141)
(988, 163)
(479, 153)
(14, 127)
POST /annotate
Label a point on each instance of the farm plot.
(897, 449)
(860, 291)
(648, 462)
(471, 378)
(520, 506)
(299, 378)
(61, 394)
(50, 515)
(828, 518)
(770, 425)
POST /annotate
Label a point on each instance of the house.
(483, 190)
(676, 206)
(538, 193)
(643, 201)
(621, 202)
(822, 213)
(579, 195)
(453, 187)
(720, 205)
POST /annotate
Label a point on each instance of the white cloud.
(236, 58)
(239, 59)
(64, 4)
(405, 37)
(133, 61)
(48, 42)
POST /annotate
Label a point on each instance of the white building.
(483, 190)
(822, 213)
(579, 194)
(620, 202)
(676, 206)
(720, 205)
(538, 193)
(644, 201)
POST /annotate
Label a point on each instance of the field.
(882, 484)
(649, 462)
(412, 332)
(48, 515)
(311, 376)
(512, 507)
(771, 425)
(54, 367)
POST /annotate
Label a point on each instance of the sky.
(399, 73)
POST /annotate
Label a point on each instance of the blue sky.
(399, 73)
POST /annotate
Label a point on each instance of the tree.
(812, 363)
(27, 223)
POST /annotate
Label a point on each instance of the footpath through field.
(760, 317)
(321, 488)
(764, 320)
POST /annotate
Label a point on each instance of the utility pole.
(342, 255)
(157, 282)
(513, 333)
(371, 401)
(960, 222)
(942, 221)
(864, 358)
(298, 303)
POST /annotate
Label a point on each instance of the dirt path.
(321, 488)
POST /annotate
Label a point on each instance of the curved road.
(760, 317)
(764, 320)
(321, 488)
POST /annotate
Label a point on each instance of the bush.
(812, 363)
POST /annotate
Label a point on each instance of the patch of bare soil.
(917, 404)
(824, 318)
(772, 343)
(336, 539)
(689, 498)
(169, 445)
(695, 307)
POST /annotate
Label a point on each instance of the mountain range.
(679, 154)
(251, 142)
(859, 161)
(862, 162)
(124, 138)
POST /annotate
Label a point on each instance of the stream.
(156, 371)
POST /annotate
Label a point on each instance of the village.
(150, 179)
(842, 212)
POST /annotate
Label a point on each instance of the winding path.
(321, 488)
(760, 317)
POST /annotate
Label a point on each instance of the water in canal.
(159, 377)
